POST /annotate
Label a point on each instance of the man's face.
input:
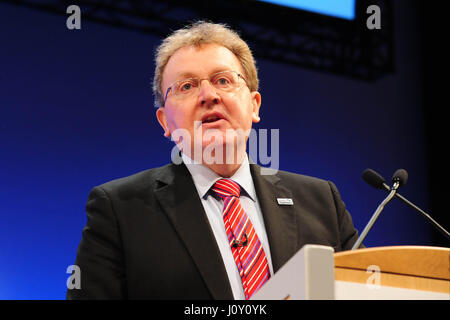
(208, 109)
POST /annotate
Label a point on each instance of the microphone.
(374, 179)
(240, 243)
(377, 181)
(400, 176)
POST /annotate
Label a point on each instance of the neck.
(224, 170)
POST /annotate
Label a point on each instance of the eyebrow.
(187, 74)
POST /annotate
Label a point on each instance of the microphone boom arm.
(375, 216)
(441, 229)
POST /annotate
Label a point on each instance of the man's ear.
(161, 116)
(256, 103)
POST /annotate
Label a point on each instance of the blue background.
(341, 8)
(76, 110)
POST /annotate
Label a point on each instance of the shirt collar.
(204, 178)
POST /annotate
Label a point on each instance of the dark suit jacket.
(148, 237)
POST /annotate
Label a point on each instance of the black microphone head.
(400, 176)
(373, 178)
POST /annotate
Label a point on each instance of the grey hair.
(197, 34)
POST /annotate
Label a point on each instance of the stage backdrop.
(76, 110)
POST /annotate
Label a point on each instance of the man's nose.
(208, 94)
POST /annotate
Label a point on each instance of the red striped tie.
(247, 250)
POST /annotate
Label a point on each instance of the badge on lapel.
(285, 201)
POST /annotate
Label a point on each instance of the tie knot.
(226, 188)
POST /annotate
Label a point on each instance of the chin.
(218, 152)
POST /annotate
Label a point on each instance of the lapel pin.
(285, 201)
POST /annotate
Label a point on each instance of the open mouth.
(211, 119)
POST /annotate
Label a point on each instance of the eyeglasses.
(226, 81)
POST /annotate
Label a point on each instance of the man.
(211, 227)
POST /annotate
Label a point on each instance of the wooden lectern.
(398, 272)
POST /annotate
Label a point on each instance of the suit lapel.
(279, 220)
(177, 195)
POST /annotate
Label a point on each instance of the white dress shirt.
(204, 178)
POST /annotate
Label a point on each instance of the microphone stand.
(375, 215)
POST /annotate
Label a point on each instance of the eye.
(185, 86)
(223, 81)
